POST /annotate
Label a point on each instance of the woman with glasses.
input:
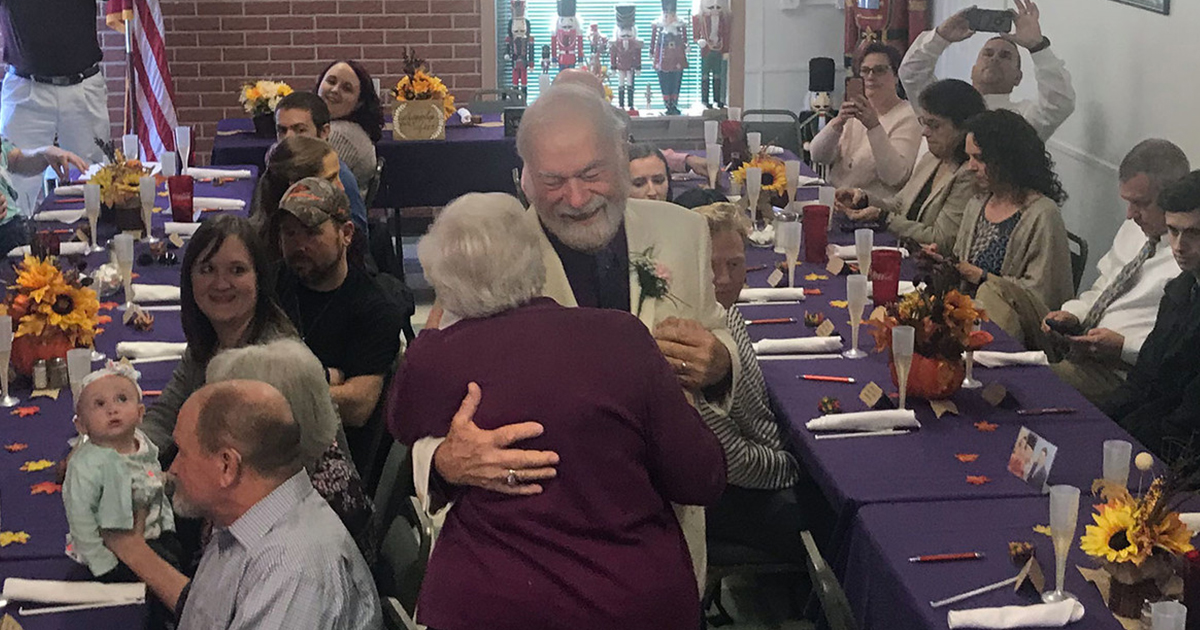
(873, 142)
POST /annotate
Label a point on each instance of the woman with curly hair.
(347, 88)
(1012, 244)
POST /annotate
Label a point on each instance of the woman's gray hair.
(289, 366)
(482, 256)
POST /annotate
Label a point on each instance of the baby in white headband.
(113, 473)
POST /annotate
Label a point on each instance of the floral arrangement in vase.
(1140, 541)
(119, 180)
(53, 311)
(261, 97)
(774, 176)
(418, 85)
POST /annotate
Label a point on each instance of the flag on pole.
(150, 93)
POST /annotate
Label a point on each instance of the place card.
(942, 407)
(997, 396)
(878, 314)
(775, 279)
(825, 329)
(81, 236)
(52, 394)
(1031, 459)
(874, 397)
(836, 266)
(130, 313)
(1031, 577)
(175, 239)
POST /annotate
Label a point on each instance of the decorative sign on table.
(1031, 459)
(512, 120)
(418, 120)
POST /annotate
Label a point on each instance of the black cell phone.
(990, 20)
(1063, 328)
(854, 88)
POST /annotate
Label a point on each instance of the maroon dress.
(600, 547)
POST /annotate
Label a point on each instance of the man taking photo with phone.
(997, 70)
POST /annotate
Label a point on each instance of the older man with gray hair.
(279, 557)
(602, 250)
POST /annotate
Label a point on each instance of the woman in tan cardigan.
(1012, 244)
(930, 207)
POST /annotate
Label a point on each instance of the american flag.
(149, 92)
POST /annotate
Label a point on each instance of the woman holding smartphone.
(873, 142)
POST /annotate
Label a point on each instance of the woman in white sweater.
(347, 88)
(873, 142)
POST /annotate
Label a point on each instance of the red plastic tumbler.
(181, 187)
(885, 275)
(816, 233)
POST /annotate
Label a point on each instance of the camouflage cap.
(314, 200)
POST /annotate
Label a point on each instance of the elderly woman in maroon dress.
(599, 546)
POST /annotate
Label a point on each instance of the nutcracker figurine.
(545, 58)
(712, 31)
(519, 46)
(568, 41)
(599, 50)
(893, 22)
(626, 53)
(668, 49)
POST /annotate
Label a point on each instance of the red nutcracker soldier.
(668, 49)
(626, 53)
(545, 58)
(567, 46)
(519, 46)
(712, 31)
(893, 22)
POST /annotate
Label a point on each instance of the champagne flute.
(1064, 514)
(129, 146)
(79, 365)
(123, 249)
(169, 164)
(787, 229)
(734, 113)
(754, 142)
(903, 338)
(712, 155)
(183, 144)
(825, 197)
(6, 339)
(147, 190)
(864, 242)
(791, 168)
(1116, 461)
(753, 191)
(91, 206)
(856, 299)
(969, 380)
(710, 132)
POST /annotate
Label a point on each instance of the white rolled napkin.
(865, 421)
(150, 349)
(217, 203)
(771, 295)
(66, 249)
(63, 216)
(993, 359)
(213, 173)
(1054, 615)
(56, 592)
(73, 190)
(155, 293)
(1191, 520)
(798, 345)
(182, 229)
(848, 252)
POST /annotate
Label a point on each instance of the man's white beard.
(587, 238)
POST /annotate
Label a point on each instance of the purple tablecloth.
(47, 433)
(887, 591)
(417, 173)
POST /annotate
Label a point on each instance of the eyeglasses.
(878, 71)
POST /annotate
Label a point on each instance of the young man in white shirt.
(997, 70)
(1103, 329)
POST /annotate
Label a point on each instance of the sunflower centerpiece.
(1140, 542)
(418, 85)
(260, 99)
(52, 310)
(774, 184)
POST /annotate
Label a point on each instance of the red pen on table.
(756, 268)
(776, 320)
(1045, 411)
(828, 379)
(948, 557)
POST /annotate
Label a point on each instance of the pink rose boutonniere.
(653, 277)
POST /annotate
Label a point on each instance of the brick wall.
(216, 45)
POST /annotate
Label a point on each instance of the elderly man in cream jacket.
(601, 250)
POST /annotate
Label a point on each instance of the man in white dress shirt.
(1105, 326)
(997, 70)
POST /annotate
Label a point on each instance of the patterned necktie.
(1120, 284)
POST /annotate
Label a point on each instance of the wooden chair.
(1079, 258)
(834, 605)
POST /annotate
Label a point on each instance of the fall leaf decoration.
(108, 306)
(34, 466)
(16, 447)
(24, 412)
(839, 303)
(45, 487)
(966, 458)
(978, 480)
(8, 538)
(986, 427)
(1042, 529)
(815, 276)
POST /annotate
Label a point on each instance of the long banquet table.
(46, 434)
